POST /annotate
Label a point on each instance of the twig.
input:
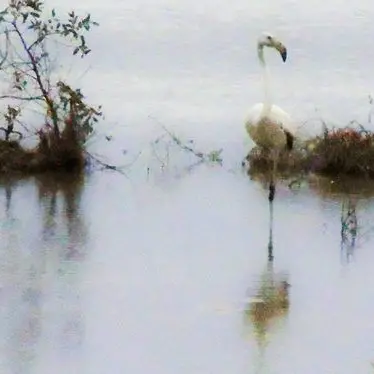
(206, 157)
(15, 97)
(156, 154)
(183, 146)
(39, 80)
(7, 43)
(103, 164)
(106, 165)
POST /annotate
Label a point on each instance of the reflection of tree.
(8, 184)
(21, 281)
(66, 234)
(41, 275)
(271, 301)
(49, 187)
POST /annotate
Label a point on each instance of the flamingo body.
(272, 130)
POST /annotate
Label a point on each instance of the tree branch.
(39, 80)
(40, 39)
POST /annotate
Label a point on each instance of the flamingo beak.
(282, 50)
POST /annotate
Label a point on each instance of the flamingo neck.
(267, 99)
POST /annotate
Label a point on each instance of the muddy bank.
(54, 153)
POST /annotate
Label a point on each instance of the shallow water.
(157, 276)
(152, 270)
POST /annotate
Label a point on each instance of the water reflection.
(70, 189)
(40, 271)
(8, 196)
(349, 226)
(349, 192)
(333, 188)
(270, 305)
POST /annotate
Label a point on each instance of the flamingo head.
(268, 40)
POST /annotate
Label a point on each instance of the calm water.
(152, 271)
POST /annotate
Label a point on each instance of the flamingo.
(269, 126)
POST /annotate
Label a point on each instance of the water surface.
(153, 271)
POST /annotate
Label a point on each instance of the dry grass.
(345, 151)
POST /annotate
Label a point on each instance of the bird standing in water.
(269, 126)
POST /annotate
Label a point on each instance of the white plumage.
(268, 131)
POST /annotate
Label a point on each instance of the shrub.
(25, 64)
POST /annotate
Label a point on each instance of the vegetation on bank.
(26, 65)
(347, 151)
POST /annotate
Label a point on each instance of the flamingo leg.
(270, 243)
(275, 155)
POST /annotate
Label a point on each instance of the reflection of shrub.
(343, 151)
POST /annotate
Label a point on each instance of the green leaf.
(53, 13)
